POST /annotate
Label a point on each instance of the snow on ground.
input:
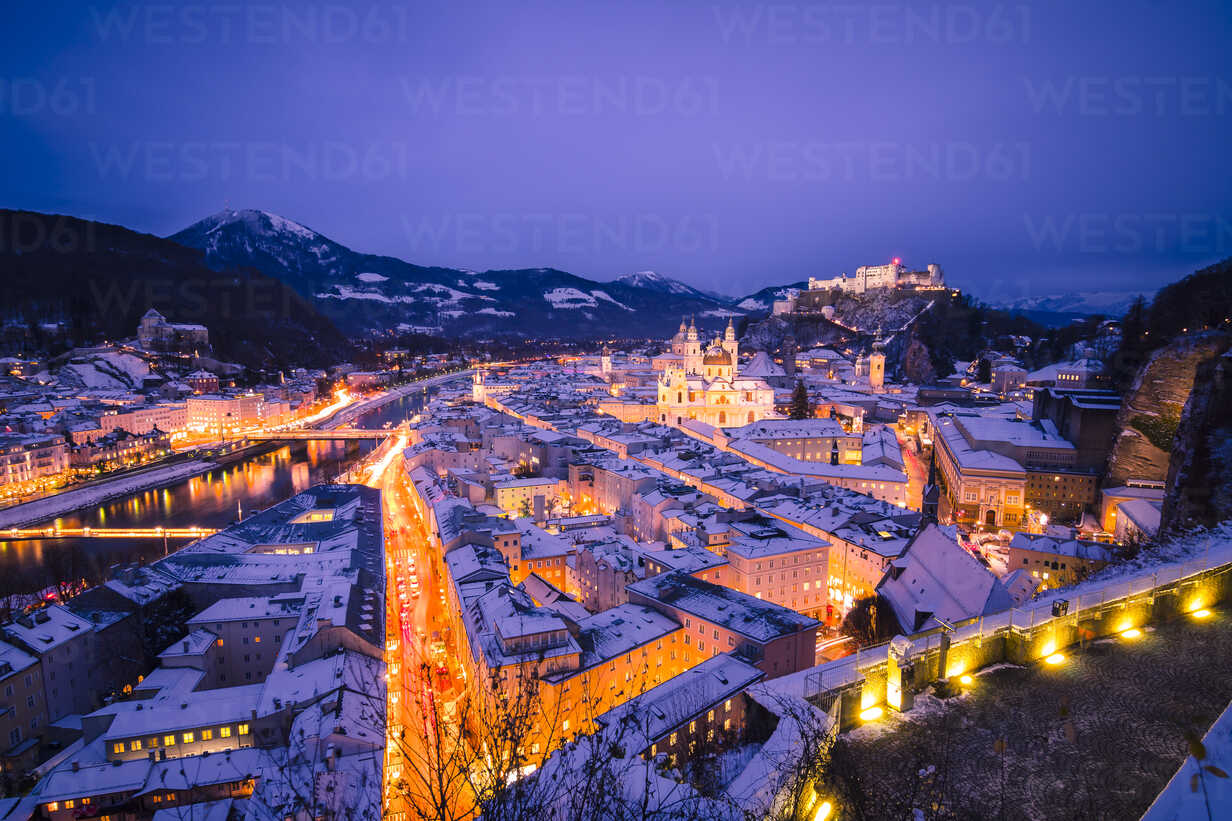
(367, 277)
(107, 370)
(1096, 737)
(446, 295)
(42, 510)
(569, 298)
(495, 312)
(751, 304)
(283, 224)
(1179, 801)
(484, 285)
(604, 296)
(347, 292)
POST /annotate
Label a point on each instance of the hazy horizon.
(1027, 148)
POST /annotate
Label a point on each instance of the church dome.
(716, 356)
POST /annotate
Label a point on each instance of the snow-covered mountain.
(365, 292)
(654, 281)
(1108, 303)
(762, 302)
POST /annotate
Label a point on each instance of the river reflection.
(213, 499)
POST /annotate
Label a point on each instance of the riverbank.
(100, 491)
(41, 510)
(349, 414)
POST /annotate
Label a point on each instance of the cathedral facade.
(702, 382)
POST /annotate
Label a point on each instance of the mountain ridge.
(368, 293)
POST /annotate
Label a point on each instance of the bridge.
(336, 433)
(15, 533)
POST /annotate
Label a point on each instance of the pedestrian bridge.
(336, 433)
(13, 533)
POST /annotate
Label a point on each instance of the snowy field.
(1097, 737)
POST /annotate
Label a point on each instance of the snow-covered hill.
(1108, 303)
(654, 281)
(365, 292)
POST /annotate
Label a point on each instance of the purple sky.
(1027, 148)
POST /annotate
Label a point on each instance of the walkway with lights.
(106, 533)
(336, 433)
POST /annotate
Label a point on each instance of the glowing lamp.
(897, 260)
(823, 811)
(966, 679)
(871, 714)
(1055, 659)
(1131, 633)
(1201, 613)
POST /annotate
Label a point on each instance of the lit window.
(188, 738)
(168, 740)
(69, 804)
(118, 747)
(224, 732)
(135, 745)
(53, 806)
(243, 729)
(206, 735)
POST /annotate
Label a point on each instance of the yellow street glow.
(871, 714)
(823, 811)
(1201, 614)
(1055, 659)
(1131, 633)
(966, 679)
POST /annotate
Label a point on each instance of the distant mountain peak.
(654, 281)
(257, 222)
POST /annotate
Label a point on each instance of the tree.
(983, 370)
(800, 407)
(870, 621)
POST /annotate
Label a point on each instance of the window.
(53, 806)
(134, 745)
(672, 740)
(206, 735)
(69, 804)
(224, 732)
(727, 706)
(118, 747)
(564, 726)
(256, 639)
(169, 741)
(188, 738)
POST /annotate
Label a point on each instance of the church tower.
(731, 345)
(678, 339)
(876, 365)
(478, 391)
(605, 361)
(692, 351)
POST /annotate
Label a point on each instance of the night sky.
(1027, 148)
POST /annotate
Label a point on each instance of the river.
(213, 500)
